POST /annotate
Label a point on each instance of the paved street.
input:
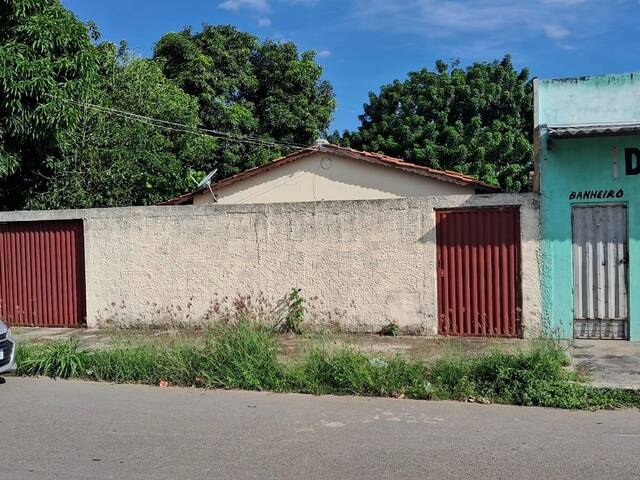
(81, 430)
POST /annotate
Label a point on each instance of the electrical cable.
(183, 128)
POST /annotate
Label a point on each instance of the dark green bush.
(390, 330)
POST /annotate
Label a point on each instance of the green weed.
(294, 313)
(62, 359)
(245, 355)
(129, 364)
(390, 330)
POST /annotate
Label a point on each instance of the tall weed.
(244, 355)
(57, 359)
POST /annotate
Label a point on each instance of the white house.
(330, 172)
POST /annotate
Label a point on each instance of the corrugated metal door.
(600, 271)
(478, 254)
(42, 273)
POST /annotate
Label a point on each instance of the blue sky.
(363, 44)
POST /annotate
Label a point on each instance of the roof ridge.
(411, 164)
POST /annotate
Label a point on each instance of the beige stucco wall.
(367, 262)
(325, 176)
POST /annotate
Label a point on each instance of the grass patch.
(346, 371)
(244, 355)
(62, 359)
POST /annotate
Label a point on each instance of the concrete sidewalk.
(418, 347)
(611, 363)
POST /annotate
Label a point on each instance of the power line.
(183, 128)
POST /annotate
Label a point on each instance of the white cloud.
(235, 5)
(556, 32)
(324, 53)
(464, 27)
(566, 46)
(566, 3)
(437, 18)
(260, 5)
(482, 25)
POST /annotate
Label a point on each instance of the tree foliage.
(475, 120)
(109, 160)
(260, 89)
(46, 56)
(55, 152)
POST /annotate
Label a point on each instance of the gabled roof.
(375, 158)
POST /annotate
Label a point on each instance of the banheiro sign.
(596, 194)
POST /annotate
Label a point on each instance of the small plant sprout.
(391, 329)
(295, 312)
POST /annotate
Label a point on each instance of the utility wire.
(183, 128)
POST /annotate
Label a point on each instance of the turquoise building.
(587, 133)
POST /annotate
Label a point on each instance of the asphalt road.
(82, 430)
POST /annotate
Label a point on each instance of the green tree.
(112, 160)
(46, 56)
(475, 120)
(56, 152)
(265, 89)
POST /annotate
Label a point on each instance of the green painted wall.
(578, 165)
(583, 164)
(588, 100)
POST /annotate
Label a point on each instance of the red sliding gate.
(42, 273)
(479, 272)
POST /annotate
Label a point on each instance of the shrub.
(514, 378)
(390, 330)
(450, 377)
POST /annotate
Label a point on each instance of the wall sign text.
(596, 194)
(632, 161)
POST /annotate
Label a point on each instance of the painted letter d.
(632, 161)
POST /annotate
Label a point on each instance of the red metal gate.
(42, 273)
(479, 272)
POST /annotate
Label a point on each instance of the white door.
(600, 271)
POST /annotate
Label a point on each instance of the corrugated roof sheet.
(599, 130)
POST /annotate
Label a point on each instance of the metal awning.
(598, 130)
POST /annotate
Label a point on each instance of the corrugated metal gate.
(600, 271)
(42, 273)
(479, 272)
